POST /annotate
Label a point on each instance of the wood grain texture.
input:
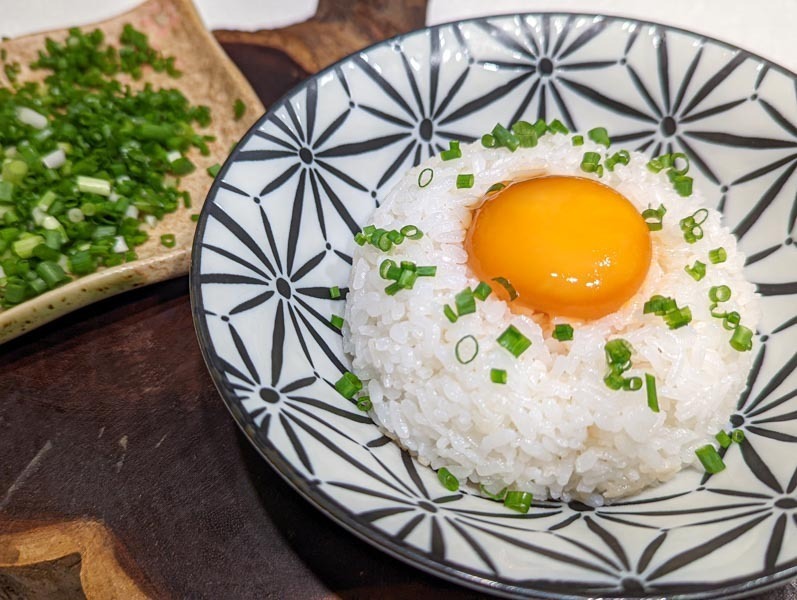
(209, 78)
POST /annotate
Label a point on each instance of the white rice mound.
(555, 429)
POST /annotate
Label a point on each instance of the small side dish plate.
(209, 78)
(276, 233)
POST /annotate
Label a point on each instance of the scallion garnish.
(334, 292)
(632, 384)
(364, 403)
(618, 357)
(348, 385)
(623, 157)
(498, 497)
(504, 282)
(213, 170)
(590, 163)
(518, 501)
(679, 317)
(563, 332)
(411, 232)
(710, 459)
(514, 341)
(526, 134)
(737, 436)
(654, 217)
(465, 180)
(496, 187)
(599, 135)
(238, 109)
(742, 339)
(505, 138)
(731, 320)
(450, 314)
(696, 271)
(384, 239)
(719, 293)
(717, 255)
(465, 302)
(556, 126)
(425, 177)
(168, 240)
(393, 289)
(452, 152)
(677, 176)
(659, 305)
(498, 376)
(336, 321)
(448, 481)
(488, 141)
(461, 353)
(482, 291)
(578, 140)
(426, 271)
(723, 439)
(651, 392)
(691, 225)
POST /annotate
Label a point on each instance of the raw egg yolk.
(570, 246)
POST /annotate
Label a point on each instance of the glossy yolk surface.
(570, 246)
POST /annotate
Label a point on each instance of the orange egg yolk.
(570, 246)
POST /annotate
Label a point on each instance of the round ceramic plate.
(276, 234)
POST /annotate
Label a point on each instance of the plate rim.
(326, 504)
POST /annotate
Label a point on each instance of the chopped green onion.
(710, 459)
(360, 239)
(394, 288)
(719, 293)
(541, 127)
(742, 339)
(578, 140)
(425, 177)
(411, 232)
(448, 481)
(696, 271)
(458, 353)
(659, 305)
(23, 247)
(651, 392)
(678, 318)
(723, 439)
(683, 185)
(482, 291)
(214, 170)
(498, 497)
(717, 255)
(556, 126)
(168, 240)
(496, 187)
(488, 141)
(737, 436)
(623, 157)
(427, 271)
(364, 403)
(92, 185)
(518, 501)
(465, 181)
(514, 341)
(563, 332)
(654, 217)
(51, 273)
(618, 352)
(334, 292)
(503, 137)
(407, 279)
(599, 135)
(590, 162)
(389, 270)
(238, 109)
(348, 385)
(452, 152)
(498, 376)
(717, 314)
(465, 302)
(731, 320)
(526, 134)
(450, 314)
(504, 282)
(336, 321)
(182, 166)
(632, 384)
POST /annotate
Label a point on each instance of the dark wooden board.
(121, 472)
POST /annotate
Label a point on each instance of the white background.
(765, 27)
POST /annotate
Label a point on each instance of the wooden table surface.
(122, 474)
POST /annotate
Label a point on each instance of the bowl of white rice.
(447, 395)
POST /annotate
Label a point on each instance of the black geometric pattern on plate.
(265, 262)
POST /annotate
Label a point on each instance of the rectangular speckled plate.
(209, 78)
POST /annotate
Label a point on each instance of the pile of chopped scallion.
(88, 163)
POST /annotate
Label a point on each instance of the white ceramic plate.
(276, 233)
